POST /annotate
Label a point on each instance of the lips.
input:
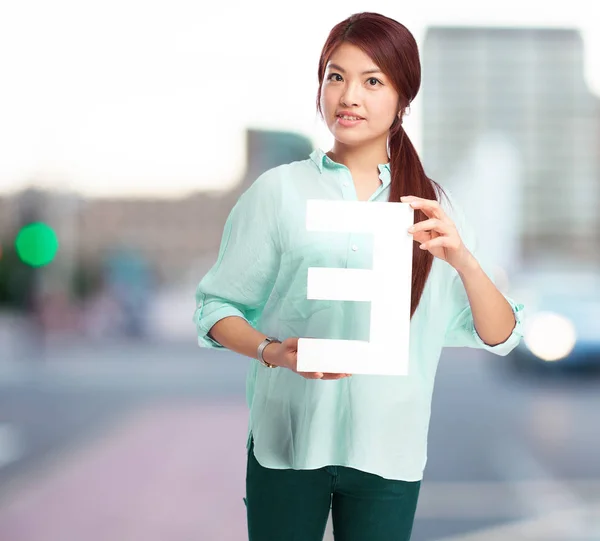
(342, 114)
(345, 122)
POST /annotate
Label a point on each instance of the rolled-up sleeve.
(242, 278)
(460, 330)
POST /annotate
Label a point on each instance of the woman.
(318, 441)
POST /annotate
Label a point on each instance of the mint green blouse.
(377, 424)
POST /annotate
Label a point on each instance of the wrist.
(269, 353)
(260, 351)
(468, 265)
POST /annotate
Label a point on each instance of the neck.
(363, 159)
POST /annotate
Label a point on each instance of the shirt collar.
(323, 161)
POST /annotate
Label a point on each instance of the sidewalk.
(167, 473)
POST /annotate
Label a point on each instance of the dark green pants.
(294, 505)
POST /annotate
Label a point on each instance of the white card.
(387, 286)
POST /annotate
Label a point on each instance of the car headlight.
(549, 335)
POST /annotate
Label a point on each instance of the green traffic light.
(36, 244)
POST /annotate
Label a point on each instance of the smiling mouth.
(344, 117)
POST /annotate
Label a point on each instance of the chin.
(349, 138)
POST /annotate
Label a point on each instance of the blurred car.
(562, 320)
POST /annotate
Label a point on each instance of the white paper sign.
(387, 286)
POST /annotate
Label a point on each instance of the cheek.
(384, 111)
(325, 102)
(327, 99)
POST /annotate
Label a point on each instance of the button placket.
(348, 185)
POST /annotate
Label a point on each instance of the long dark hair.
(394, 49)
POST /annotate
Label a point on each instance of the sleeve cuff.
(504, 348)
(204, 322)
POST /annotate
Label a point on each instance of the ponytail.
(409, 178)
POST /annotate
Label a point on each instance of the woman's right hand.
(285, 355)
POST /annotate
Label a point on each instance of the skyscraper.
(524, 87)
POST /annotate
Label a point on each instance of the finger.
(334, 376)
(439, 242)
(433, 224)
(430, 207)
(422, 236)
(311, 375)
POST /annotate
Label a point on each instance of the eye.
(376, 80)
(333, 75)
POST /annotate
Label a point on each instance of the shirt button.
(354, 247)
(346, 184)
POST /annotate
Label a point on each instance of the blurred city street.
(139, 440)
(122, 161)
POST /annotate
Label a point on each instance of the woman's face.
(353, 83)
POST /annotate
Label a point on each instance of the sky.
(132, 98)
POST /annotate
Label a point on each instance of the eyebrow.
(339, 68)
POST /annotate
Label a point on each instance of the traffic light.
(36, 244)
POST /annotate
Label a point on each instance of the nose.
(350, 96)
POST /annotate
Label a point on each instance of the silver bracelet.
(261, 348)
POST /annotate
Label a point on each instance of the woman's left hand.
(438, 234)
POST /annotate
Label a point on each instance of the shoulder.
(273, 180)
(291, 169)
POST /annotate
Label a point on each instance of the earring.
(407, 111)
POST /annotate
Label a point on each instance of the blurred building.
(173, 233)
(8, 215)
(509, 119)
(170, 234)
